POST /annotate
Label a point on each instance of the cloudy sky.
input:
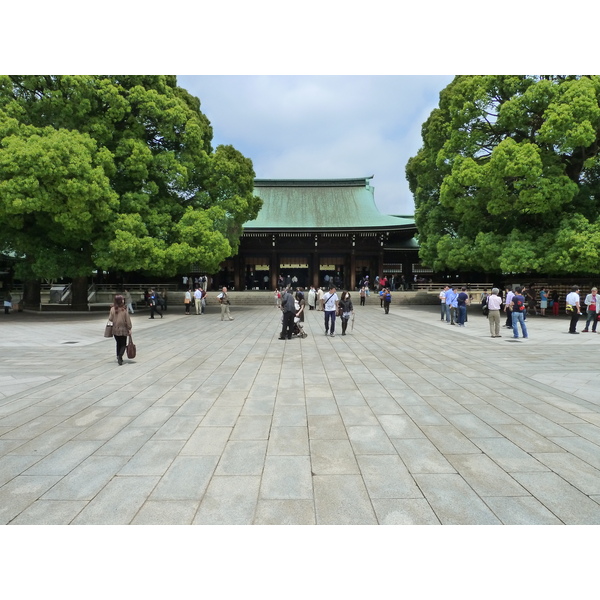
(323, 126)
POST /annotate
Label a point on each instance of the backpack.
(388, 297)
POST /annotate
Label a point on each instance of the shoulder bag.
(108, 330)
(131, 352)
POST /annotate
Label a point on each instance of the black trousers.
(288, 325)
(121, 344)
(574, 318)
(154, 309)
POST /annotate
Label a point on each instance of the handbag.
(108, 330)
(131, 348)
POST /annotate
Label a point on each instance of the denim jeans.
(462, 314)
(593, 319)
(517, 317)
(443, 312)
(330, 315)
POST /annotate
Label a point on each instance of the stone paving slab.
(405, 420)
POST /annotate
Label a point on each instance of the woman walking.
(346, 309)
(121, 321)
(187, 301)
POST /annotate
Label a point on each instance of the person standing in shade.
(288, 307)
(451, 305)
(198, 299)
(555, 296)
(224, 302)
(507, 307)
(7, 302)
(363, 295)
(187, 301)
(121, 321)
(387, 300)
(153, 300)
(494, 302)
(203, 301)
(312, 298)
(330, 305)
(442, 298)
(320, 299)
(591, 302)
(543, 301)
(517, 306)
(572, 300)
(462, 300)
(128, 301)
(345, 304)
(530, 295)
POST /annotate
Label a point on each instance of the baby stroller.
(298, 329)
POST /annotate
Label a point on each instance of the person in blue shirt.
(451, 305)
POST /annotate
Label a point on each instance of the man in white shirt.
(493, 303)
(198, 299)
(443, 304)
(330, 304)
(572, 299)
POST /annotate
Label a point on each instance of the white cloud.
(323, 126)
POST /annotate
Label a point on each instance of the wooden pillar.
(380, 257)
(239, 272)
(274, 268)
(316, 263)
(352, 270)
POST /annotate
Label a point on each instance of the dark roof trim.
(361, 181)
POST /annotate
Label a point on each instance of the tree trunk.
(79, 293)
(32, 294)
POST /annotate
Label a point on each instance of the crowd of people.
(517, 303)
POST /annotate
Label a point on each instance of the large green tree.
(115, 173)
(508, 178)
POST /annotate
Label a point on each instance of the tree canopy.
(508, 178)
(115, 173)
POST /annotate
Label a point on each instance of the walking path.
(406, 420)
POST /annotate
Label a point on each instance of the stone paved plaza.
(405, 420)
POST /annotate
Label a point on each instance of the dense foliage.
(115, 173)
(508, 178)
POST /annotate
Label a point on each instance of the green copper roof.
(312, 204)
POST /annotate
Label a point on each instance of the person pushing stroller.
(288, 307)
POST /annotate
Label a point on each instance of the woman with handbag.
(346, 309)
(187, 301)
(121, 325)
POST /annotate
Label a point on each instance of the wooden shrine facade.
(312, 231)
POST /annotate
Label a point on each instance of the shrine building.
(311, 230)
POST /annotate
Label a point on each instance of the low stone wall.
(104, 299)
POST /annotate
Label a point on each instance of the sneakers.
(585, 331)
(332, 335)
